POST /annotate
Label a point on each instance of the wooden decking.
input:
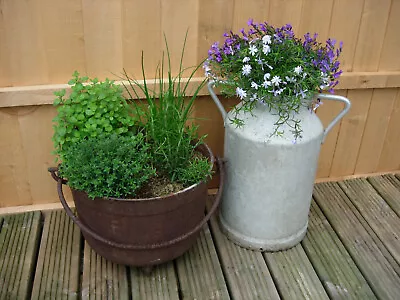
(351, 251)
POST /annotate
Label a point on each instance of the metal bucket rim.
(185, 190)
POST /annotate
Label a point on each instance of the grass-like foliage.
(108, 165)
(166, 117)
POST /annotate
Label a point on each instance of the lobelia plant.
(271, 66)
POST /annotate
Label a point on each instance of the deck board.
(294, 274)
(333, 264)
(57, 270)
(378, 268)
(103, 279)
(375, 210)
(246, 272)
(161, 283)
(351, 251)
(19, 238)
(199, 271)
(388, 187)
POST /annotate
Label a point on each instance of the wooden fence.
(43, 41)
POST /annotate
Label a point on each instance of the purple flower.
(250, 22)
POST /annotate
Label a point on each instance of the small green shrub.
(93, 108)
(166, 121)
(108, 165)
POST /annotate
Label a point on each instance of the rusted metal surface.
(142, 232)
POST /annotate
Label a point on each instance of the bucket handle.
(90, 232)
(347, 105)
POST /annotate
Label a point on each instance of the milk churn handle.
(221, 108)
(220, 168)
(347, 105)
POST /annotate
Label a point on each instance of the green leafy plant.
(273, 67)
(108, 165)
(166, 122)
(93, 108)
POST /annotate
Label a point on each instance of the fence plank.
(37, 126)
(344, 26)
(102, 24)
(327, 113)
(63, 38)
(283, 12)
(390, 60)
(145, 15)
(390, 159)
(371, 35)
(15, 187)
(244, 10)
(315, 18)
(177, 17)
(375, 130)
(23, 37)
(350, 134)
(213, 25)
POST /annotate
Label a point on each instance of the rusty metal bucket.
(142, 232)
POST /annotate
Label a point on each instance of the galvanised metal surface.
(270, 177)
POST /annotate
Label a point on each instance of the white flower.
(207, 70)
(267, 76)
(253, 50)
(266, 39)
(290, 79)
(254, 85)
(266, 84)
(317, 105)
(276, 80)
(266, 49)
(241, 93)
(246, 70)
(270, 67)
(278, 92)
(246, 59)
(253, 98)
(298, 70)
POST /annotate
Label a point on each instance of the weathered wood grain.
(18, 249)
(366, 249)
(333, 264)
(161, 283)
(103, 279)
(388, 187)
(199, 271)
(294, 275)
(246, 272)
(57, 271)
(376, 212)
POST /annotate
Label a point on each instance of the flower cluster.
(271, 66)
